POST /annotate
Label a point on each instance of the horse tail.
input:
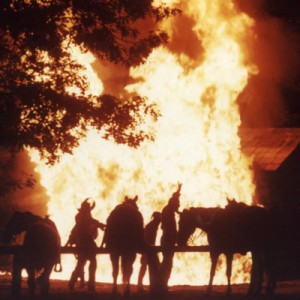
(58, 265)
(104, 239)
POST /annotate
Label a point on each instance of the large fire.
(197, 140)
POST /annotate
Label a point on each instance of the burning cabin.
(276, 154)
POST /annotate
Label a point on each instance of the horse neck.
(29, 219)
(207, 215)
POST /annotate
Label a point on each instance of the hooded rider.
(83, 235)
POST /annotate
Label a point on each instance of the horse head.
(233, 205)
(131, 201)
(187, 225)
(196, 217)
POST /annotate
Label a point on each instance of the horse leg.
(253, 275)
(127, 269)
(125, 272)
(260, 272)
(44, 281)
(271, 271)
(31, 279)
(229, 258)
(214, 260)
(16, 275)
(257, 271)
(115, 271)
(271, 286)
(142, 272)
(271, 278)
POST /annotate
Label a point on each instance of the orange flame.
(197, 141)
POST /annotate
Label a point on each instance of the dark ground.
(59, 290)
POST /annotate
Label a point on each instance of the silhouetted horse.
(40, 251)
(124, 237)
(283, 257)
(235, 229)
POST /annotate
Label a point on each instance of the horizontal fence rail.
(9, 249)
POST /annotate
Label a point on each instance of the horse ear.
(126, 198)
(93, 205)
(135, 198)
(229, 200)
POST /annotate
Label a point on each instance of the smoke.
(20, 187)
(113, 76)
(184, 40)
(273, 47)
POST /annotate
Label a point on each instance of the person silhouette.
(168, 239)
(150, 258)
(83, 235)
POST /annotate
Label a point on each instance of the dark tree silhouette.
(36, 68)
(12, 176)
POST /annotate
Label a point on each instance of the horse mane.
(209, 213)
(235, 205)
(32, 215)
(26, 213)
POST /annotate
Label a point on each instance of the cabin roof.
(269, 147)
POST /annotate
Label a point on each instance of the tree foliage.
(13, 177)
(36, 69)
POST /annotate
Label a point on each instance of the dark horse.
(40, 251)
(236, 229)
(124, 237)
(283, 257)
